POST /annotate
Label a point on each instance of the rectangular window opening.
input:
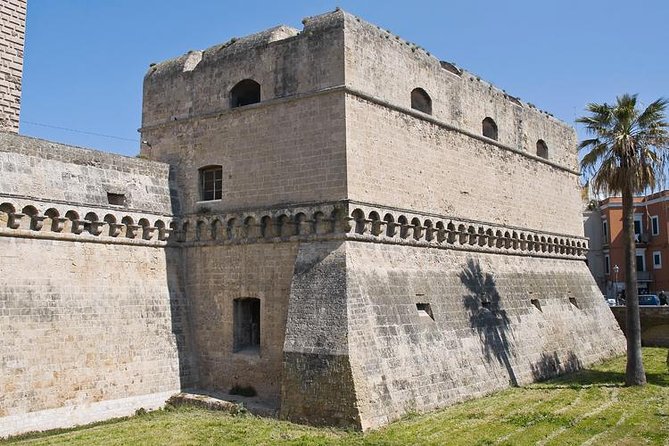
(211, 183)
(655, 225)
(640, 263)
(657, 260)
(116, 199)
(607, 264)
(246, 314)
(424, 310)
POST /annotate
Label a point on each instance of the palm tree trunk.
(635, 374)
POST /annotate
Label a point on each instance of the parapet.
(35, 169)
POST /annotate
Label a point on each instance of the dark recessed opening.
(536, 303)
(244, 93)
(116, 199)
(424, 309)
(572, 300)
(246, 325)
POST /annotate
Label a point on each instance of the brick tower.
(12, 32)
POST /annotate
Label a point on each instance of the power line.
(78, 131)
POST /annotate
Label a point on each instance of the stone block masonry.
(93, 317)
(12, 32)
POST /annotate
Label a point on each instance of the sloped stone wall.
(494, 321)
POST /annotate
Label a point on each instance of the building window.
(640, 262)
(605, 231)
(246, 314)
(489, 128)
(116, 199)
(421, 101)
(211, 183)
(638, 227)
(655, 225)
(246, 92)
(607, 264)
(542, 149)
(657, 260)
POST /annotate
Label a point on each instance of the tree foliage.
(625, 155)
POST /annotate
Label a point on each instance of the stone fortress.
(330, 217)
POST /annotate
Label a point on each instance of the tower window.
(542, 149)
(421, 101)
(246, 324)
(246, 92)
(211, 183)
(489, 128)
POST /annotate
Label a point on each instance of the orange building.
(651, 215)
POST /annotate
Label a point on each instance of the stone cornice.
(340, 220)
(349, 220)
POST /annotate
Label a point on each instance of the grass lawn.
(590, 407)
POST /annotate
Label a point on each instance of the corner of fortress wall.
(377, 331)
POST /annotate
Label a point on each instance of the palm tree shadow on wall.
(485, 315)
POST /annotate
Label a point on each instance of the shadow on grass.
(598, 378)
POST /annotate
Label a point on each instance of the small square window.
(116, 199)
(211, 183)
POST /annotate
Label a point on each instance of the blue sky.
(85, 60)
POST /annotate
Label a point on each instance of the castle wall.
(400, 160)
(90, 331)
(92, 312)
(12, 34)
(374, 57)
(486, 333)
(287, 152)
(282, 61)
(367, 355)
(218, 274)
(63, 175)
(288, 148)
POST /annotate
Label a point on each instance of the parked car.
(649, 299)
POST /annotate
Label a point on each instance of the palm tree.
(626, 153)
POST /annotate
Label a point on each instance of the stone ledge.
(363, 222)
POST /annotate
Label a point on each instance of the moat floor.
(590, 407)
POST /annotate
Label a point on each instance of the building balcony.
(644, 276)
